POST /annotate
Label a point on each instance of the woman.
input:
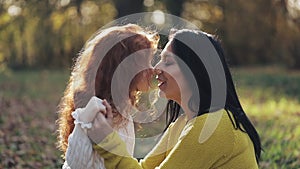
(92, 76)
(208, 134)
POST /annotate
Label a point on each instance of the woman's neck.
(183, 102)
(189, 113)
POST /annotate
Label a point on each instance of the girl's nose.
(149, 72)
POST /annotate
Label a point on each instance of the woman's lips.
(162, 82)
(162, 87)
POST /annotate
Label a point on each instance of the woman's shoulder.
(211, 127)
(177, 127)
(214, 120)
(217, 129)
(179, 122)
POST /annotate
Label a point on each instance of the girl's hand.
(89, 113)
(107, 112)
(102, 125)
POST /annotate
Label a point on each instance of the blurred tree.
(50, 33)
(287, 46)
(45, 34)
(128, 7)
(247, 28)
(174, 7)
(252, 32)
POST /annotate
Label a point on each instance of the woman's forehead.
(167, 54)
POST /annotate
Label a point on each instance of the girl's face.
(142, 80)
(172, 83)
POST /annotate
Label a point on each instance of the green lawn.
(271, 97)
(29, 99)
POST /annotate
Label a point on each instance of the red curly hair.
(93, 71)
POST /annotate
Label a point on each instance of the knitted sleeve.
(80, 153)
(189, 151)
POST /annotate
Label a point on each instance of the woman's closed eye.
(168, 63)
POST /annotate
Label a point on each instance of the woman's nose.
(157, 71)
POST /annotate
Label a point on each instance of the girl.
(92, 75)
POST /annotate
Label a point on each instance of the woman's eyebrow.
(167, 55)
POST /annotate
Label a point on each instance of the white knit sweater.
(80, 154)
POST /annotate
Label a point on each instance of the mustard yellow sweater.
(207, 141)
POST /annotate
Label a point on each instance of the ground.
(29, 99)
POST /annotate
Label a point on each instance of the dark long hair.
(232, 103)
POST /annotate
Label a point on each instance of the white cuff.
(75, 115)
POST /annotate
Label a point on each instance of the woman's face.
(171, 80)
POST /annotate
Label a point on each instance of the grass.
(28, 100)
(28, 103)
(271, 98)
